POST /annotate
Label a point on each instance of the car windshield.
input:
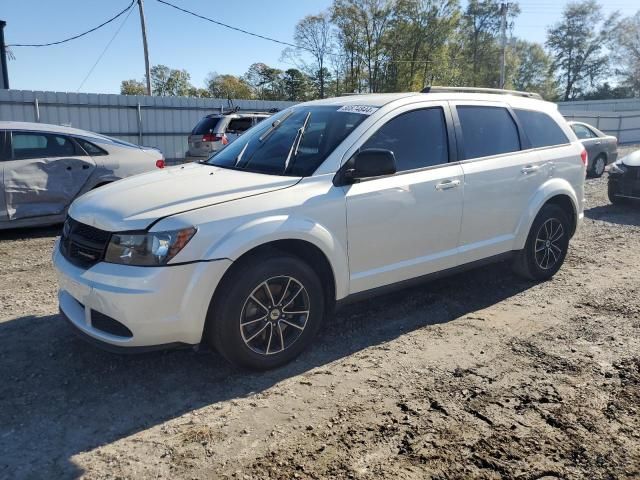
(293, 142)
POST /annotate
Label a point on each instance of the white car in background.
(43, 168)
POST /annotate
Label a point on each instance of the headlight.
(618, 168)
(147, 249)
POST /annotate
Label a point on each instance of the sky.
(179, 40)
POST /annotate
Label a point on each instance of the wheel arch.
(557, 192)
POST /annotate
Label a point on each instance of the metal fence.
(165, 122)
(161, 122)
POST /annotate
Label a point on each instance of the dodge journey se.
(324, 202)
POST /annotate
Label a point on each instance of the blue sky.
(178, 40)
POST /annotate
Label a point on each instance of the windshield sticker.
(361, 109)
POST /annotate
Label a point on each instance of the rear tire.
(546, 246)
(257, 318)
(598, 166)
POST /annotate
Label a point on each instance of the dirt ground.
(481, 375)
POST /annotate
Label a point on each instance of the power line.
(229, 26)
(105, 49)
(75, 36)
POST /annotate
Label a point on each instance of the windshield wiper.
(274, 126)
(293, 151)
(239, 157)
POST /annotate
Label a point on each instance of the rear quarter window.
(541, 129)
(92, 149)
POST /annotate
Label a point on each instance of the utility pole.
(146, 48)
(503, 27)
(4, 78)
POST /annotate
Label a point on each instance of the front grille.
(83, 245)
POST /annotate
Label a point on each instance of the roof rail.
(436, 89)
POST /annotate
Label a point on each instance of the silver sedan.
(602, 148)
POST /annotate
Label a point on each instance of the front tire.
(547, 245)
(266, 312)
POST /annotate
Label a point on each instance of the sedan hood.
(136, 202)
(632, 160)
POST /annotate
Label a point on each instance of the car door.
(501, 175)
(43, 173)
(407, 224)
(592, 142)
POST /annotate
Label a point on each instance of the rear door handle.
(447, 184)
(530, 169)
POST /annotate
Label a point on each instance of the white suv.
(327, 201)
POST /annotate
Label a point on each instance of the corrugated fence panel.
(162, 122)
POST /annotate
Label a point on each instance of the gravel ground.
(481, 375)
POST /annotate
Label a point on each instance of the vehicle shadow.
(30, 232)
(627, 214)
(60, 396)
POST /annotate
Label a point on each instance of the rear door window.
(239, 125)
(206, 125)
(418, 139)
(582, 132)
(40, 145)
(487, 131)
(541, 129)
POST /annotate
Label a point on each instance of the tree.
(577, 43)
(167, 81)
(296, 85)
(266, 81)
(228, 86)
(480, 32)
(529, 69)
(625, 46)
(313, 37)
(132, 87)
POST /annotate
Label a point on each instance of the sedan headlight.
(148, 248)
(618, 168)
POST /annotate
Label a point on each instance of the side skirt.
(374, 292)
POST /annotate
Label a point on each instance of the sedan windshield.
(294, 142)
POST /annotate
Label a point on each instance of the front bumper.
(160, 306)
(625, 185)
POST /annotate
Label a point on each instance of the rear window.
(487, 131)
(582, 132)
(206, 125)
(90, 148)
(541, 129)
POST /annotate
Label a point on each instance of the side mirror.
(372, 162)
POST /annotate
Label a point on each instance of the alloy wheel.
(274, 315)
(599, 166)
(548, 245)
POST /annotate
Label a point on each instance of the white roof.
(46, 127)
(380, 99)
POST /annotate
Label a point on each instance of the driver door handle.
(530, 169)
(447, 184)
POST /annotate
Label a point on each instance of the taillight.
(160, 163)
(585, 157)
(212, 137)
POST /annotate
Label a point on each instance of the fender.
(261, 231)
(551, 188)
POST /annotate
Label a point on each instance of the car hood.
(136, 202)
(632, 160)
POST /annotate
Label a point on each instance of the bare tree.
(313, 37)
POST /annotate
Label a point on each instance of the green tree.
(266, 81)
(132, 87)
(296, 85)
(228, 86)
(167, 81)
(625, 47)
(576, 43)
(529, 69)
